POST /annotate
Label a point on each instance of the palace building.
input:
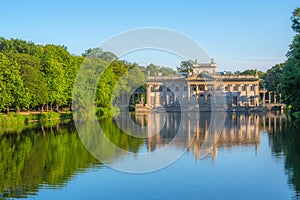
(203, 88)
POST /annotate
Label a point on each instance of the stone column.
(256, 94)
(157, 103)
(264, 99)
(275, 101)
(189, 93)
(127, 99)
(280, 100)
(247, 92)
(180, 94)
(148, 95)
(172, 97)
(165, 95)
(124, 99)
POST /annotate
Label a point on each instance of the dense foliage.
(41, 77)
(285, 78)
(155, 70)
(34, 76)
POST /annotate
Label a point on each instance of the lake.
(253, 156)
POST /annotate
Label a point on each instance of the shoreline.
(32, 117)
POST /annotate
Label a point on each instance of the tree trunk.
(43, 130)
(57, 127)
(57, 107)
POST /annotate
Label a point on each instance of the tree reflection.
(285, 141)
(32, 158)
(52, 155)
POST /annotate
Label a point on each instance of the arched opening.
(201, 100)
(209, 99)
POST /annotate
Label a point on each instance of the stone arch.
(209, 99)
(201, 100)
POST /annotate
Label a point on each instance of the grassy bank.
(25, 118)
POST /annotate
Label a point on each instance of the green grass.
(16, 118)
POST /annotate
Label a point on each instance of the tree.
(165, 71)
(99, 53)
(253, 72)
(296, 20)
(153, 69)
(273, 78)
(12, 93)
(291, 70)
(186, 66)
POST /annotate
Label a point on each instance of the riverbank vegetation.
(284, 78)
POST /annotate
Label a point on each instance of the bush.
(296, 115)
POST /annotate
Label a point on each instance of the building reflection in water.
(240, 129)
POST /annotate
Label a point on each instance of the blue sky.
(238, 34)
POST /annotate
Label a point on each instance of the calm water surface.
(256, 157)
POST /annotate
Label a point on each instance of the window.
(252, 100)
(252, 87)
(244, 87)
(226, 88)
(176, 89)
(201, 87)
(234, 100)
(160, 88)
(168, 89)
(235, 88)
(152, 89)
(185, 88)
(193, 87)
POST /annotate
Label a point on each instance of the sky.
(238, 34)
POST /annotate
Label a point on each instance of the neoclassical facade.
(203, 88)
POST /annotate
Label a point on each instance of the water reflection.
(47, 156)
(239, 129)
(285, 142)
(50, 156)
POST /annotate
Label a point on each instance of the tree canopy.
(290, 80)
(186, 66)
(164, 71)
(42, 76)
